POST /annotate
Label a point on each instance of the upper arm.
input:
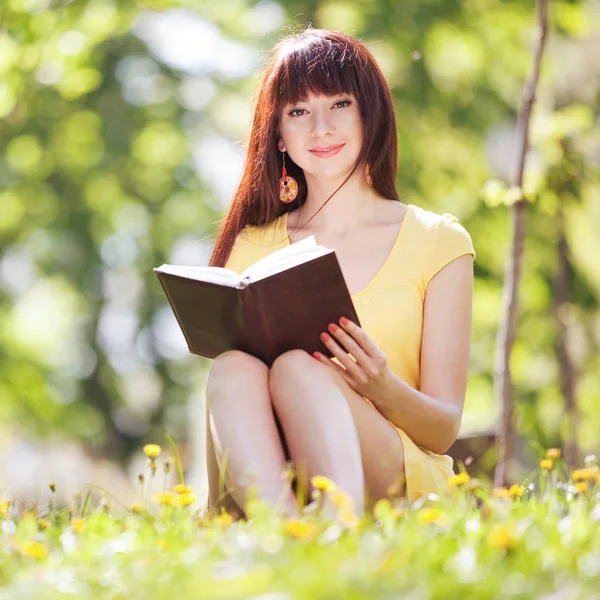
(446, 341)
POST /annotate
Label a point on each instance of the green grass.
(542, 540)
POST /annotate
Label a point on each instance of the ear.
(281, 145)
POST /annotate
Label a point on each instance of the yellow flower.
(77, 525)
(42, 524)
(341, 498)
(181, 488)
(4, 508)
(323, 483)
(458, 480)
(299, 529)
(52, 487)
(164, 498)
(553, 453)
(586, 474)
(186, 499)
(582, 487)
(515, 491)
(34, 550)
(348, 518)
(501, 536)
(501, 492)
(430, 515)
(138, 509)
(152, 450)
(546, 464)
(223, 520)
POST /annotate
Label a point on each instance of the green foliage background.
(108, 169)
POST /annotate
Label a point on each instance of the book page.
(286, 258)
(292, 261)
(219, 275)
(265, 264)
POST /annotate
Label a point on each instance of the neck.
(351, 207)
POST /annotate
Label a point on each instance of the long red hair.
(324, 62)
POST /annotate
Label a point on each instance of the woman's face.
(322, 121)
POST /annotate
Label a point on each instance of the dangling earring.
(368, 176)
(288, 186)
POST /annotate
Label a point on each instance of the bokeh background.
(123, 127)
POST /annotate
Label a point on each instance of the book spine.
(259, 336)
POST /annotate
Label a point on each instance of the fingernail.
(325, 337)
(344, 321)
(317, 355)
(332, 327)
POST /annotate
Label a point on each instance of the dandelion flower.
(42, 524)
(152, 450)
(581, 487)
(515, 491)
(223, 520)
(585, 474)
(458, 480)
(553, 453)
(430, 515)
(181, 488)
(138, 509)
(52, 487)
(341, 498)
(546, 464)
(34, 550)
(501, 536)
(164, 498)
(323, 483)
(4, 508)
(299, 529)
(77, 525)
(186, 499)
(347, 517)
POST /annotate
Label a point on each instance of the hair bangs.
(318, 66)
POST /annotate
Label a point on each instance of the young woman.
(322, 161)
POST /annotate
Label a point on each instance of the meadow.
(534, 539)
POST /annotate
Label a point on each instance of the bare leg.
(318, 423)
(241, 429)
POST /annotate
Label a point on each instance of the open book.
(281, 302)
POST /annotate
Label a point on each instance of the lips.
(326, 148)
(335, 150)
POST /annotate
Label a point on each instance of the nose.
(322, 124)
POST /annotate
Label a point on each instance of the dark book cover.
(265, 318)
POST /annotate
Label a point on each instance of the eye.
(347, 102)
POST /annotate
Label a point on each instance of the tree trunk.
(505, 338)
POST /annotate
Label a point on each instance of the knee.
(290, 368)
(233, 368)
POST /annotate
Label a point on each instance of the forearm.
(431, 423)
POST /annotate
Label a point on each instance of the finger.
(351, 367)
(329, 362)
(360, 335)
(350, 344)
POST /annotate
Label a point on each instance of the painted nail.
(344, 321)
(325, 337)
(317, 355)
(332, 327)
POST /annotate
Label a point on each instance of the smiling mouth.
(329, 152)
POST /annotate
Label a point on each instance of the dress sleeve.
(450, 241)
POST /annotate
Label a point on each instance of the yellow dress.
(390, 309)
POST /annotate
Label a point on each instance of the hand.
(369, 374)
